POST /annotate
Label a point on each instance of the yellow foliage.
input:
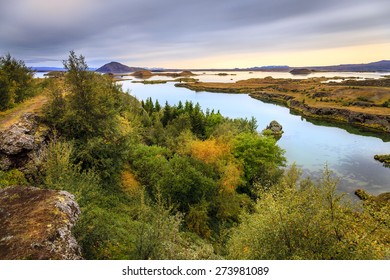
(231, 178)
(130, 185)
(209, 151)
(218, 153)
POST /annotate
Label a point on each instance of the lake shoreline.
(354, 104)
(372, 122)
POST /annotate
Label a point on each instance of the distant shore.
(364, 104)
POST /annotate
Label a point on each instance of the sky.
(196, 33)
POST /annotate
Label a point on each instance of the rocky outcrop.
(366, 120)
(373, 121)
(275, 129)
(36, 224)
(378, 200)
(21, 141)
(385, 159)
(272, 97)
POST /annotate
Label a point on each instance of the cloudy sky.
(196, 33)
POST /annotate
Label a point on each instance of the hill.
(378, 66)
(116, 67)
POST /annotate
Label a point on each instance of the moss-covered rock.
(37, 223)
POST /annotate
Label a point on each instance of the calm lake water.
(310, 146)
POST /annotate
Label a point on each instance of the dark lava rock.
(275, 127)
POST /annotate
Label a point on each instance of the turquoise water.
(310, 146)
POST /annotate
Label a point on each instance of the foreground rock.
(37, 223)
(21, 141)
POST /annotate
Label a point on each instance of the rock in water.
(275, 129)
(36, 224)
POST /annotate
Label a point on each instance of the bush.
(12, 178)
(302, 220)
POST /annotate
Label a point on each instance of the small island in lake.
(301, 71)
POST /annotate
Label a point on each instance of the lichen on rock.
(36, 224)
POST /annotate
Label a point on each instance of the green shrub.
(12, 178)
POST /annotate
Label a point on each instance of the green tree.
(16, 82)
(187, 182)
(261, 159)
(91, 101)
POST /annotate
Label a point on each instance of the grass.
(33, 105)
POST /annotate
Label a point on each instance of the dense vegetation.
(16, 82)
(175, 182)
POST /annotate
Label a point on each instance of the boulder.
(275, 129)
(19, 142)
(36, 224)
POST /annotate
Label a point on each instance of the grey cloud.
(141, 29)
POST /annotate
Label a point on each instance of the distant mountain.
(116, 67)
(270, 68)
(379, 66)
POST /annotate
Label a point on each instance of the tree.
(16, 82)
(91, 111)
(186, 183)
(91, 101)
(6, 95)
(261, 159)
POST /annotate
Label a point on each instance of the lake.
(310, 146)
